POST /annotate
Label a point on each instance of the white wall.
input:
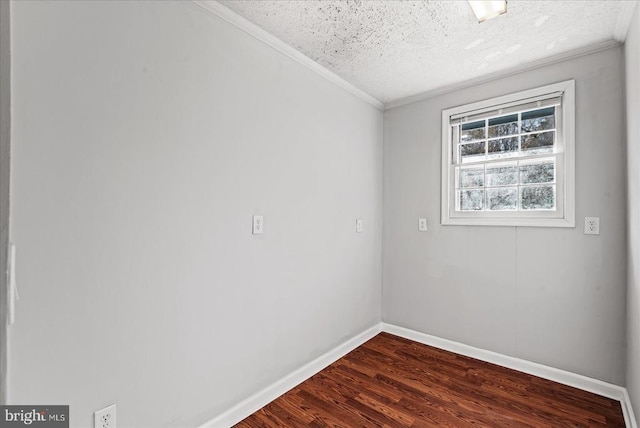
(5, 146)
(553, 296)
(632, 62)
(146, 134)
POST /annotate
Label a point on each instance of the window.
(509, 161)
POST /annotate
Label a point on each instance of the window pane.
(539, 120)
(472, 177)
(538, 143)
(509, 160)
(502, 175)
(473, 131)
(472, 151)
(503, 126)
(503, 147)
(538, 197)
(471, 200)
(502, 199)
(542, 172)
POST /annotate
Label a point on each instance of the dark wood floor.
(393, 382)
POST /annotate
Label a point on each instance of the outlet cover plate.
(592, 225)
(105, 418)
(422, 224)
(258, 225)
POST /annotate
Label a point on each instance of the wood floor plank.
(394, 382)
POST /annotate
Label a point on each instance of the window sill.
(509, 222)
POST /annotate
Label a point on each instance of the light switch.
(258, 225)
(422, 224)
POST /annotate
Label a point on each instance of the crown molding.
(226, 14)
(587, 50)
(624, 20)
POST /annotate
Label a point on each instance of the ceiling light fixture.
(487, 9)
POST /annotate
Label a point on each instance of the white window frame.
(564, 214)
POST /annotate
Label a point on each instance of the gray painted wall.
(146, 134)
(632, 62)
(553, 296)
(5, 165)
(140, 155)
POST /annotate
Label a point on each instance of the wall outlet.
(422, 224)
(258, 225)
(592, 225)
(359, 225)
(105, 418)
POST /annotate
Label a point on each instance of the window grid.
(488, 139)
(518, 185)
(509, 159)
(510, 111)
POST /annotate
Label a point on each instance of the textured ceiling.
(395, 49)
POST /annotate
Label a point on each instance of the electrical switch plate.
(422, 224)
(359, 225)
(258, 225)
(105, 418)
(592, 225)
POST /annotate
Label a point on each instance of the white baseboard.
(585, 383)
(270, 393)
(627, 411)
(275, 390)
